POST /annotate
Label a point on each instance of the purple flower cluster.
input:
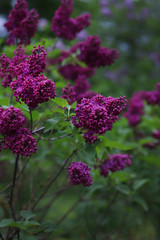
(93, 54)
(135, 109)
(21, 23)
(79, 173)
(11, 120)
(115, 162)
(24, 75)
(18, 139)
(22, 143)
(69, 94)
(97, 115)
(71, 72)
(78, 91)
(136, 105)
(153, 97)
(66, 27)
(33, 90)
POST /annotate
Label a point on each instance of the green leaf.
(48, 227)
(123, 189)
(73, 106)
(6, 222)
(50, 123)
(61, 102)
(152, 159)
(122, 176)
(141, 202)
(24, 236)
(139, 183)
(82, 64)
(115, 144)
(35, 115)
(26, 214)
(4, 101)
(31, 223)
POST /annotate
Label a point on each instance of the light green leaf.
(27, 214)
(115, 144)
(141, 202)
(139, 183)
(6, 222)
(4, 101)
(61, 102)
(123, 189)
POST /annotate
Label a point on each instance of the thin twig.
(53, 139)
(90, 229)
(68, 212)
(38, 130)
(109, 205)
(53, 179)
(50, 203)
(1, 236)
(18, 175)
(12, 188)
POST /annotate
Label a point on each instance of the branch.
(12, 188)
(53, 179)
(18, 175)
(53, 139)
(1, 236)
(69, 211)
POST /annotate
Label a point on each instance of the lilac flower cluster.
(136, 105)
(11, 120)
(78, 91)
(18, 139)
(115, 162)
(153, 97)
(79, 173)
(97, 115)
(93, 54)
(21, 24)
(71, 72)
(135, 109)
(69, 94)
(24, 75)
(66, 27)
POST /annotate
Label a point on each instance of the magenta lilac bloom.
(37, 61)
(115, 162)
(69, 94)
(93, 54)
(22, 143)
(79, 173)
(21, 23)
(11, 119)
(98, 114)
(135, 109)
(153, 97)
(33, 90)
(66, 27)
(71, 72)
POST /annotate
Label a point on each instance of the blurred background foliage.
(125, 205)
